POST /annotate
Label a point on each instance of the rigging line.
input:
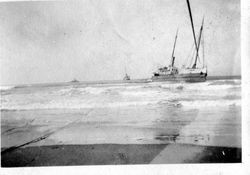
(202, 43)
(199, 60)
(203, 48)
(190, 63)
(199, 42)
(193, 56)
(190, 53)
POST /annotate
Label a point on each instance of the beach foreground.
(157, 123)
(115, 154)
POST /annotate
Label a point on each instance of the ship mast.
(191, 19)
(172, 57)
(199, 41)
(203, 49)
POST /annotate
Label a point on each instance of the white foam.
(4, 88)
(85, 104)
(210, 103)
(76, 105)
(148, 93)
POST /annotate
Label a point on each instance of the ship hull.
(194, 77)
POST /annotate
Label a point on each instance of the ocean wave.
(225, 82)
(147, 93)
(75, 105)
(172, 86)
(5, 88)
(175, 94)
(70, 91)
(208, 87)
(95, 90)
(85, 104)
(210, 103)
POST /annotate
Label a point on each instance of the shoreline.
(118, 154)
(104, 82)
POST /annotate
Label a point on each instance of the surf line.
(12, 148)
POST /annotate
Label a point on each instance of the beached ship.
(188, 74)
(167, 72)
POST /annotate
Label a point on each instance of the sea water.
(207, 113)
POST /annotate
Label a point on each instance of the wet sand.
(59, 140)
(117, 154)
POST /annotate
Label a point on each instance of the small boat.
(127, 77)
(74, 81)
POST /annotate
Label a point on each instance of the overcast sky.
(96, 39)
